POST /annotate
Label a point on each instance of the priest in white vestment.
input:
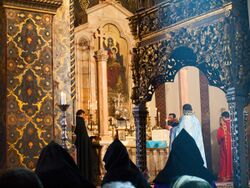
(191, 124)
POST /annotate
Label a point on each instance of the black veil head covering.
(120, 168)
(184, 159)
(56, 168)
(19, 177)
(116, 156)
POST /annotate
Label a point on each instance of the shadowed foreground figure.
(120, 168)
(118, 185)
(184, 159)
(56, 168)
(19, 177)
(190, 182)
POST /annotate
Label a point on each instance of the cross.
(100, 36)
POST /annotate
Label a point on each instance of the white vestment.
(192, 125)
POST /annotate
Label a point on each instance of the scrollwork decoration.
(170, 13)
(211, 54)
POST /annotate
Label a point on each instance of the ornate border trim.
(44, 6)
(198, 20)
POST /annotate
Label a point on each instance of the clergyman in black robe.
(56, 168)
(184, 159)
(87, 159)
(119, 168)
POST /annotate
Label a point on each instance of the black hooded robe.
(87, 159)
(120, 168)
(56, 168)
(184, 159)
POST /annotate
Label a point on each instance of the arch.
(123, 34)
(179, 58)
(158, 62)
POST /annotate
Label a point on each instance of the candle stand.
(63, 122)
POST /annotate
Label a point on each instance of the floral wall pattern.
(29, 111)
(3, 91)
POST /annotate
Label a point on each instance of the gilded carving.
(158, 64)
(218, 45)
(170, 13)
(42, 5)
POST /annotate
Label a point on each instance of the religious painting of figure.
(117, 71)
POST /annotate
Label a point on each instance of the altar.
(157, 149)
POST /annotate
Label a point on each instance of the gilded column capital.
(101, 55)
(47, 6)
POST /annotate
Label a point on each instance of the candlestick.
(63, 98)
(63, 122)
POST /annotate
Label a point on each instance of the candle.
(88, 105)
(63, 98)
(159, 117)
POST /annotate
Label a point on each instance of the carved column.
(205, 118)
(140, 114)
(101, 59)
(237, 93)
(239, 138)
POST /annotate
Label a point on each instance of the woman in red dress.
(224, 140)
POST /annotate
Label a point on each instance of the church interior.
(128, 64)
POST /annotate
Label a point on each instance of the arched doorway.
(191, 86)
(153, 74)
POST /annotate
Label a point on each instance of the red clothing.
(224, 140)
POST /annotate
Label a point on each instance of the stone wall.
(61, 66)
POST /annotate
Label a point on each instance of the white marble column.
(101, 59)
(183, 88)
